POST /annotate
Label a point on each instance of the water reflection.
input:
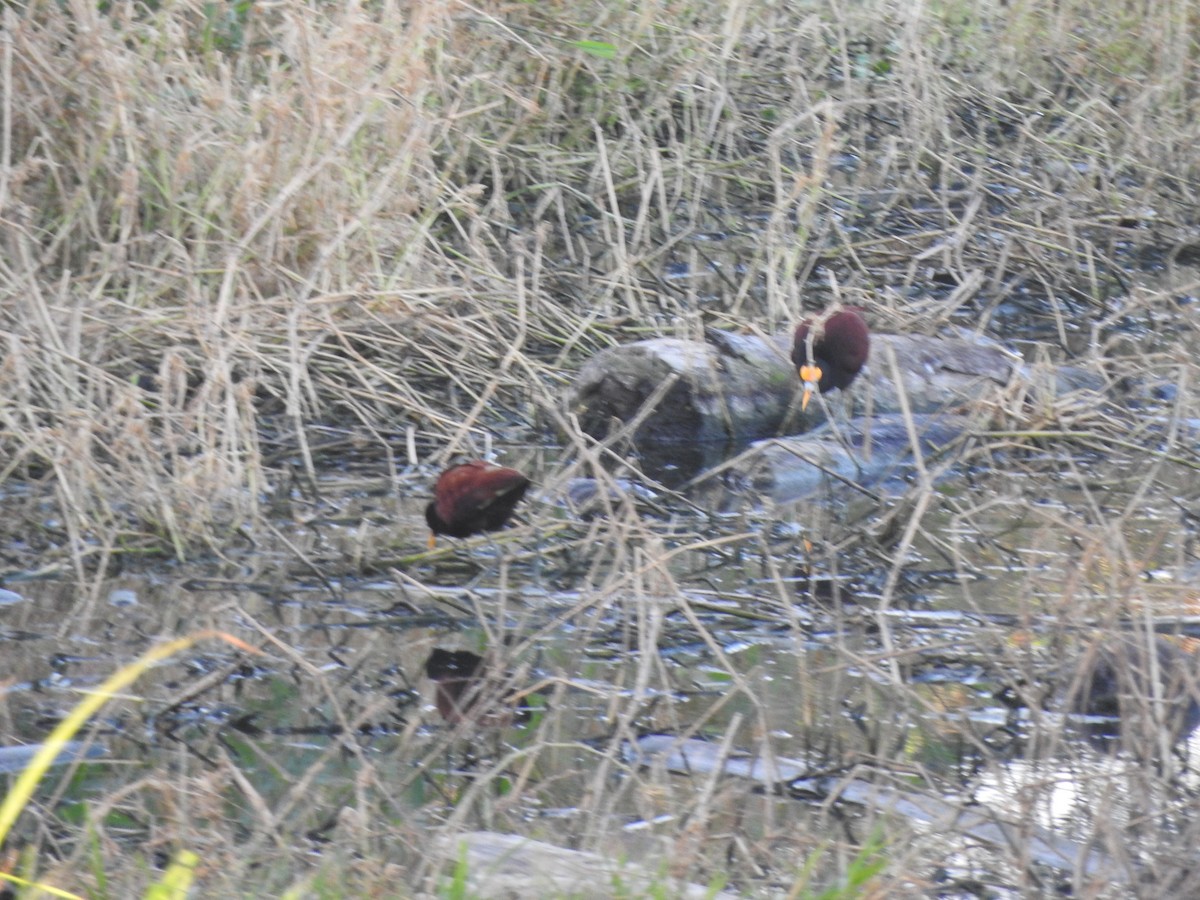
(466, 691)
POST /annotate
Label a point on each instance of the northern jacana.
(840, 345)
(473, 497)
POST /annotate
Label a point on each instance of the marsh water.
(885, 631)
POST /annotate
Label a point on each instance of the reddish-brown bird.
(473, 497)
(840, 346)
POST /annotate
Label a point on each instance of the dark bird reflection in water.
(465, 692)
(1136, 685)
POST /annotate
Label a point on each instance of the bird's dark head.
(435, 523)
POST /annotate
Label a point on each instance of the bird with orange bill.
(830, 351)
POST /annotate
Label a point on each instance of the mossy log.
(742, 387)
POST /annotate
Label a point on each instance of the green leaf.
(177, 880)
(602, 49)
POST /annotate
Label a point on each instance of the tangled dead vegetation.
(227, 225)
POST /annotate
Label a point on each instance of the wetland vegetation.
(268, 268)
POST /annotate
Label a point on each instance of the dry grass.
(225, 224)
(243, 242)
